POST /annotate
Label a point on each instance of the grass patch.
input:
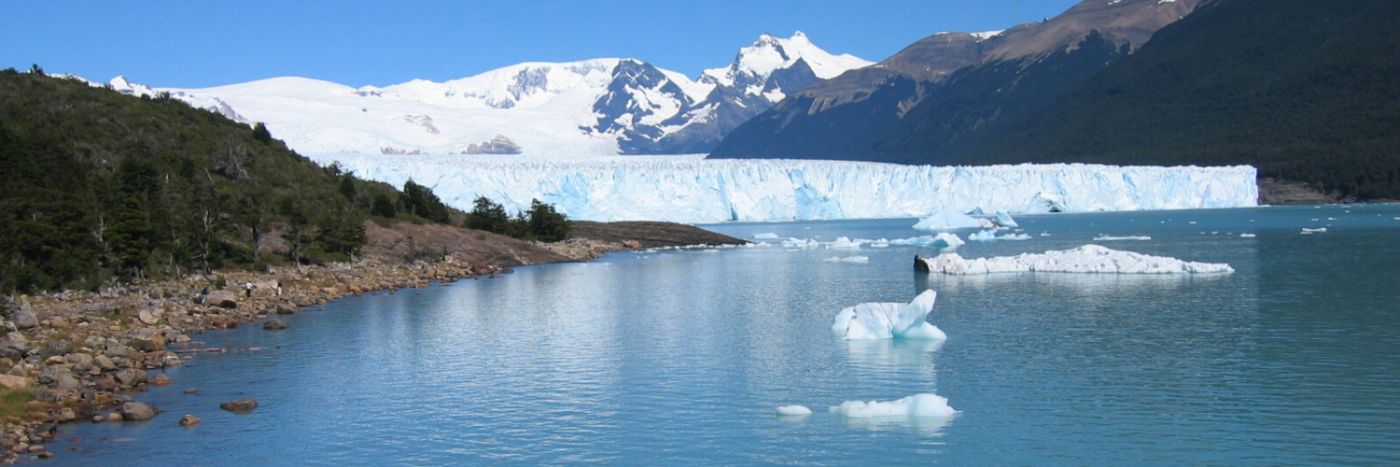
(15, 405)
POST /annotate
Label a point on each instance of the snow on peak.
(982, 36)
(770, 53)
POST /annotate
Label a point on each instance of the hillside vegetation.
(100, 186)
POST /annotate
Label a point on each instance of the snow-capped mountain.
(591, 107)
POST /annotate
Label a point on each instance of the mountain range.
(591, 107)
(951, 91)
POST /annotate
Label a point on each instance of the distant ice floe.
(949, 220)
(944, 239)
(1111, 238)
(918, 405)
(991, 235)
(1312, 231)
(766, 236)
(1085, 259)
(848, 259)
(889, 320)
(794, 410)
(843, 243)
(1246, 235)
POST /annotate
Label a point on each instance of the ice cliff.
(691, 189)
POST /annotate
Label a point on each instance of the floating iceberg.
(1003, 219)
(794, 410)
(889, 320)
(1247, 235)
(1085, 259)
(944, 239)
(918, 405)
(848, 259)
(843, 243)
(1110, 238)
(947, 220)
(990, 235)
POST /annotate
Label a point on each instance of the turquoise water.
(680, 357)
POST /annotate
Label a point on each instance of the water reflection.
(891, 355)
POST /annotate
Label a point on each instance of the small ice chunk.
(1003, 219)
(1085, 259)
(983, 236)
(793, 410)
(889, 320)
(848, 259)
(843, 243)
(766, 236)
(1111, 238)
(918, 405)
(800, 243)
(1317, 230)
(1246, 235)
(946, 220)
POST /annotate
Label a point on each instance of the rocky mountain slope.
(951, 91)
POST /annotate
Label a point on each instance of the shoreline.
(81, 354)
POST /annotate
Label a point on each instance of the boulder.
(160, 380)
(24, 318)
(64, 415)
(136, 411)
(13, 349)
(131, 376)
(189, 420)
(241, 405)
(222, 299)
(147, 340)
(148, 316)
(102, 362)
(15, 382)
(274, 324)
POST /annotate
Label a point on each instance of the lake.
(681, 357)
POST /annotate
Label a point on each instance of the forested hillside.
(1305, 90)
(97, 186)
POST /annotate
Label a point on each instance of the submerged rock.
(274, 324)
(189, 420)
(241, 405)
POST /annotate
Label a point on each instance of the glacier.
(692, 189)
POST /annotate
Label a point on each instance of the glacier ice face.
(918, 405)
(889, 320)
(1003, 219)
(691, 189)
(1085, 259)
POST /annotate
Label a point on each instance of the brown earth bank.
(78, 354)
(1276, 192)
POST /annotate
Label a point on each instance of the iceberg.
(1111, 238)
(691, 189)
(1085, 259)
(844, 243)
(848, 259)
(944, 239)
(918, 405)
(889, 320)
(945, 220)
(1003, 219)
(794, 410)
(990, 235)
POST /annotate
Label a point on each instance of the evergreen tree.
(487, 215)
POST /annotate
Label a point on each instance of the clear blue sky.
(193, 44)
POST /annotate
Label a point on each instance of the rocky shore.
(80, 355)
